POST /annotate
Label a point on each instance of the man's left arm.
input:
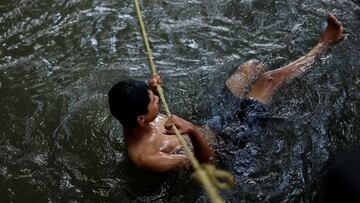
(161, 162)
(202, 150)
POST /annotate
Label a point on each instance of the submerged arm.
(162, 162)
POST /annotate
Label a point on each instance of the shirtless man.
(149, 141)
(147, 134)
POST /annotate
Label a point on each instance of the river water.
(58, 59)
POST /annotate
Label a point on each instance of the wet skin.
(270, 81)
(151, 142)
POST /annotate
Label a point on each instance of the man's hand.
(154, 81)
(184, 127)
(201, 149)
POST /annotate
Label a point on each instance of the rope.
(206, 174)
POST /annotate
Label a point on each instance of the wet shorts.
(251, 111)
(237, 119)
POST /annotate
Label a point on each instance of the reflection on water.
(58, 59)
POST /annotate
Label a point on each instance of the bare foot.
(244, 76)
(333, 32)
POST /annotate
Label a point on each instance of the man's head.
(132, 103)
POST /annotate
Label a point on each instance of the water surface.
(58, 59)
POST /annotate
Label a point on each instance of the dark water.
(58, 142)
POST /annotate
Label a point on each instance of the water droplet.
(37, 46)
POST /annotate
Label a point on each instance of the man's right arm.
(202, 150)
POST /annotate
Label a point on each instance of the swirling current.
(58, 59)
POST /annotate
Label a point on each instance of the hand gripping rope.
(205, 174)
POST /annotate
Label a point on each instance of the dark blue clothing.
(237, 119)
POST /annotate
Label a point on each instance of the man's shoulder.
(140, 154)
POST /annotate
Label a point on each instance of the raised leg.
(270, 81)
(244, 76)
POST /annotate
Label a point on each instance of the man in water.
(150, 142)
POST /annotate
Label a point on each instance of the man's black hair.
(127, 100)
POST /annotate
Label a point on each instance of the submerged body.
(159, 146)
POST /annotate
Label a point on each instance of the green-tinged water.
(58, 59)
